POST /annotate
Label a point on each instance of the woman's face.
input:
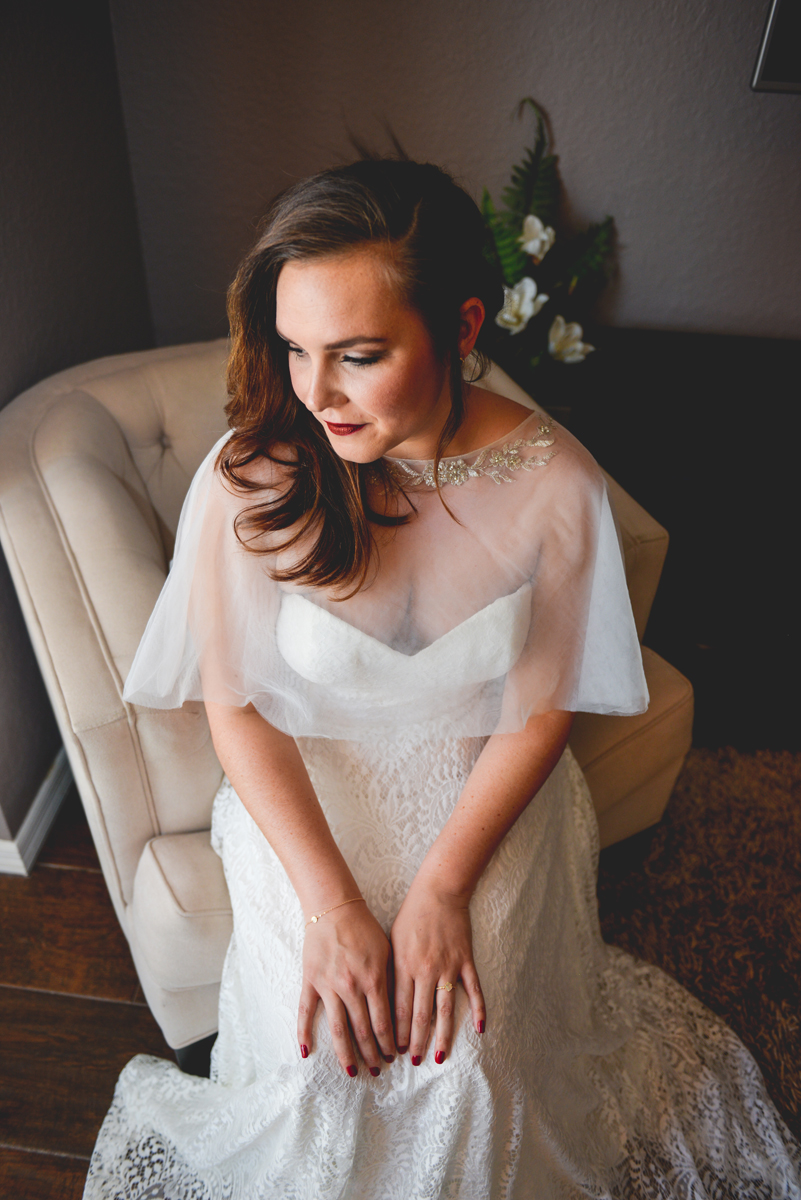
(360, 360)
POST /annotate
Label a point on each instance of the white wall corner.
(18, 855)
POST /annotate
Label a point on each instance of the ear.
(471, 318)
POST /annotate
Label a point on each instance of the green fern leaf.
(505, 240)
(544, 199)
(518, 197)
(513, 261)
(591, 252)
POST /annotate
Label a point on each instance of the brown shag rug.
(712, 895)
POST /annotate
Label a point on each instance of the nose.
(319, 394)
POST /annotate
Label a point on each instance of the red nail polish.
(439, 1057)
(352, 1071)
(416, 1060)
(304, 1052)
(402, 1049)
(481, 1027)
(390, 1058)
(375, 1071)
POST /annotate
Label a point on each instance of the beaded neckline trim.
(499, 463)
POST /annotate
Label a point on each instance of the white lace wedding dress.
(597, 1076)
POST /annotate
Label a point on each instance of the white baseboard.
(17, 856)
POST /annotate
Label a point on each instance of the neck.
(487, 417)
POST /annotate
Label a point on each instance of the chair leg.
(195, 1059)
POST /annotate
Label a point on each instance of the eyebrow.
(361, 340)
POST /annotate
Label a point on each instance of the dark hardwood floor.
(71, 1010)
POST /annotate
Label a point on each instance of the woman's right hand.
(346, 953)
(346, 958)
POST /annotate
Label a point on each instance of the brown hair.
(434, 237)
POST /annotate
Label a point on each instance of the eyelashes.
(351, 359)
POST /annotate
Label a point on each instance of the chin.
(354, 454)
(358, 449)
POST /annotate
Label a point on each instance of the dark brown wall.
(228, 100)
(72, 284)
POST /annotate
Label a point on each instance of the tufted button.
(164, 441)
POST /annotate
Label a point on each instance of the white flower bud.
(564, 341)
(537, 238)
(520, 304)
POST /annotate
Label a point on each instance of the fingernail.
(375, 1071)
(389, 1058)
(402, 1049)
(439, 1057)
(304, 1052)
(416, 1060)
(352, 1071)
(481, 1027)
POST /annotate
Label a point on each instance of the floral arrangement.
(550, 279)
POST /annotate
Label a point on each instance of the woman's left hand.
(431, 939)
(432, 945)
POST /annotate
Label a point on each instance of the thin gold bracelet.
(313, 920)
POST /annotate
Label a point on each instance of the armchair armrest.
(87, 555)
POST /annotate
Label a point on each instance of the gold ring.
(444, 987)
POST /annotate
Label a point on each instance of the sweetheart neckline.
(354, 631)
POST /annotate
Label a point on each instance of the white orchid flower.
(520, 304)
(537, 238)
(564, 341)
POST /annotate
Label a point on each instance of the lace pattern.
(598, 1076)
(497, 464)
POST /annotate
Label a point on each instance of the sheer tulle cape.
(517, 607)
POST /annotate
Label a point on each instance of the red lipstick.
(343, 430)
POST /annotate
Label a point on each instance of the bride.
(392, 589)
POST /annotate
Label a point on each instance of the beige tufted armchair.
(94, 466)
